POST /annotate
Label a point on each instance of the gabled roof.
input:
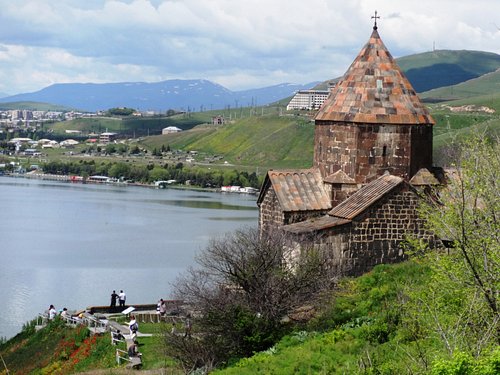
(315, 224)
(297, 190)
(365, 197)
(340, 177)
(345, 212)
(424, 177)
(374, 90)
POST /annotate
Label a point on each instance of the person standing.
(187, 326)
(121, 298)
(52, 312)
(112, 306)
(65, 314)
(133, 326)
(163, 308)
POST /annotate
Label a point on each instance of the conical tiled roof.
(374, 90)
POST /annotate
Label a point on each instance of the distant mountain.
(3, 95)
(430, 70)
(483, 90)
(33, 105)
(177, 94)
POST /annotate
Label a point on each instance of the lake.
(71, 244)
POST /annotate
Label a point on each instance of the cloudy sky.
(239, 44)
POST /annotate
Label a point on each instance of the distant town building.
(170, 129)
(308, 99)
(107, 137)
(16, 114)
(218, 120)
(69, 143)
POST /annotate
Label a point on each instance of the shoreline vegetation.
(115, 182)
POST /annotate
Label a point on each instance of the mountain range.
(426, 71)
(187, 95)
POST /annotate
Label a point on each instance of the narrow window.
(384, 151)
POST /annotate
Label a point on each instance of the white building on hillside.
(308, 99)
(170, 129)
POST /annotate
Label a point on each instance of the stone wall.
(340, 192)
(374, 238)
(366, 151)
(271, 215)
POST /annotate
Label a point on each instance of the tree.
(461, 303)
(158, 174)
(470, 217)
(119, 170)
(242, 289)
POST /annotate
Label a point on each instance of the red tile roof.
(345, 212)
(299, 190)
(315, 224)
(374, 90)
(365, 197)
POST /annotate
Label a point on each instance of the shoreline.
(72, 179)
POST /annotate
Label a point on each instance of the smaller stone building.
(368, 228)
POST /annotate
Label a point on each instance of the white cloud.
(240, 44)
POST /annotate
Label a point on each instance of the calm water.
(71, 244)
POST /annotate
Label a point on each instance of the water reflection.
(212, 205)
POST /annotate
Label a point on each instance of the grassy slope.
(266, 141)
(130, 125)
(366, 329)
(473, 61)
(435, 69)
(87, 125)
(483, 89)
(347, 332)
(56, 349)
(34, 106)
(63, 350)
(442, 68)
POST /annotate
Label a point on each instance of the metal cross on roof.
(375, 17)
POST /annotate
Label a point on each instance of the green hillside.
(33, 106)
(430, 70)
(265, 141)
(444, 67)
(131, 126)
(481, 90)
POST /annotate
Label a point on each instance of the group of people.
(52, 313)
(120, 297)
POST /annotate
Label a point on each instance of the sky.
(238, 44)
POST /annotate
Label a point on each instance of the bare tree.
(242, 290)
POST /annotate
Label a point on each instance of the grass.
(474, 90)
(87, 125)
(357, 326)
(63, 350)
(56, 348)
(34, 106)
(264, 141)
(370, 326)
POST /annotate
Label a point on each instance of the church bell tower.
(373, 121)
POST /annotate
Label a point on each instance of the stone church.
(372, 164)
